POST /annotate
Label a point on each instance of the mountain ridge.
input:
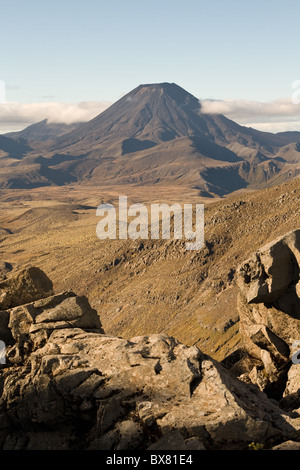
(42, 131)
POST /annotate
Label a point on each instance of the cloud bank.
(273, 116)
(16, 116)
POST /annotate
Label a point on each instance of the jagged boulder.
(288, 445)
(269, 309)
(291, 395)
(28, 326)
(23, 287)
(5, 269)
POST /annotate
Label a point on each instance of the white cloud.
(275, 126)
(273, 116)
(16, 116)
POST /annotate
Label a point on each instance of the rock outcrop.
(5, 268)
(269, 309)
(26, 286)
(67, 385)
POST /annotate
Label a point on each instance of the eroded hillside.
(147, 286)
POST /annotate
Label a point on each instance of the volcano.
(158, 134)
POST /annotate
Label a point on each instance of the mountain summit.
(157, 134)
(163, 112)
(155, 113)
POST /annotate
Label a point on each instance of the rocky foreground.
(65, 384)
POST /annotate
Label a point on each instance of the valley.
(147, 286)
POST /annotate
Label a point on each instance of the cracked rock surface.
(67, 385)
(269, 308)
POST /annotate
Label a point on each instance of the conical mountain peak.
(157, 133)
(165, 89)
(157, 112)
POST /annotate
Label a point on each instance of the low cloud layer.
(273, 116)
(16, 116)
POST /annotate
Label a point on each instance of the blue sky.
(65, 51)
